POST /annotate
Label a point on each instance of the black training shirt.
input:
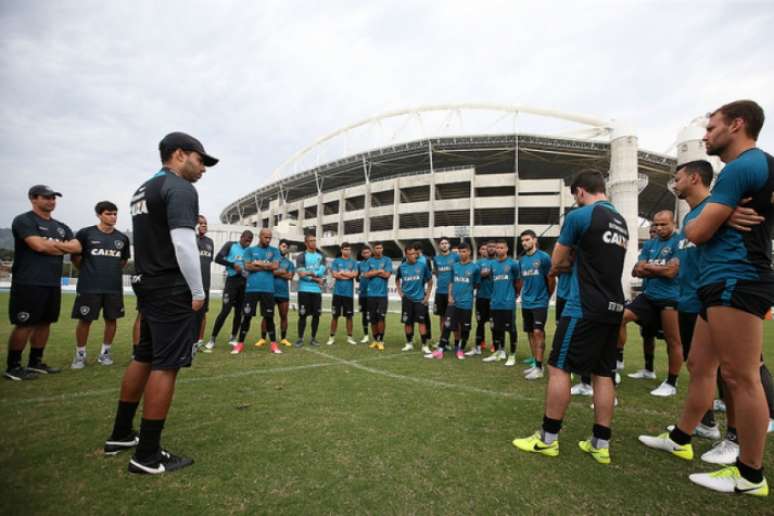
(206, 253)
(101, 259)
(31, 267)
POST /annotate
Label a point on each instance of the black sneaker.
(299, 343)
(315, 343)
(19, 373)
(42, 368)
(113, 446)
(164, 462)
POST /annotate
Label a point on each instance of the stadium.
(459, 171)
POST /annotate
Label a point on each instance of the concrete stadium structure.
(476, 186)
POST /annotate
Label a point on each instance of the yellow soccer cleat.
(260, 343)
(373, 345)
(663, 442)
(380, 346)
(534, 444)
(601, 455)
(286, 343)
(729, 480)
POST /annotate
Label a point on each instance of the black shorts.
(648, 312)
(234, 292)
(753, 297)
(412, 311)
(534, 319)
(483, 313)
(458, 318)
(503, 320)
(253, 299)
(654, 331)
(441, 304)
(687, 324)
(560, 302)
(585, 347)
(377, 309)
(87, 306)
(168, 328)
(33, 304)
(309, 303)
(343, 305)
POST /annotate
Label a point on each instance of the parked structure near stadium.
(422, 182)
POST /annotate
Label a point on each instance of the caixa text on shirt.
(615, 307)
(106, 252)
(615, 238)
(139, 207)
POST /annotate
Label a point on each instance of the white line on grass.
(197, 379)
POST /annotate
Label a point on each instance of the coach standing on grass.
(36, 292)
(169, 292)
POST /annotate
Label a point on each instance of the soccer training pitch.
(340, 429)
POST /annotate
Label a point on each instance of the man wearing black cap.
(40, 243)
(169, 292)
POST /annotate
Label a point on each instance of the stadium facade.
(475, 186)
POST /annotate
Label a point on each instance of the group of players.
(706, 290)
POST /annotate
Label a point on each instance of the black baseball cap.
(186, 142)
(42, 190)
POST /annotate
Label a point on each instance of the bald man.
(657, 305)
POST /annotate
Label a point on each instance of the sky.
(88, 88)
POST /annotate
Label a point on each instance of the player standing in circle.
(736, 289)
(586, 336)
(169, 292)
(344, 271)
(362, 287)
(442, 268)
(466, 277)
(505, 290)
(206, 253)
(379, 270)
(230, 256)
(282, 275)
(537, 288)
(414, 283)
(104, 253)
(40, 241)
(310, 266)
(657, 305)
(483, 297)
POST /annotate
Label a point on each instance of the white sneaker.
(643, 374)
(364, 340)
(408, 347)
(619, 365)
(473, 352)
(719, 406)
(501, 355)
(664, 390)
(491, 358)
(703, 431)
(330, 341)
(209, 346)
(723, 452)
(511, 361)
(105, 359)
(528, 370)
(582, 389)
(79, 361)
(352, 341)
(232, 341)
(536, 374)
(426, 349)
(729, 480)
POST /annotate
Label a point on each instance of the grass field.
(339, 429)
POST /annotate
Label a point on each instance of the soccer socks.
(749, 473)
(245, 328)
(284, 333)
(620, 356)
(150, 439)
(270, 330)
(36, 356)
(600, 436)
(709, 418)
(14, 358)
(514, 339)
(410, 338)
(672, 380)
(649, 361)
(122, 426)
(550, 430)
(679, 436)
(105, 349)
(539, 364)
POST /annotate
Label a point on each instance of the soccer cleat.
(232, 340)
(43, 368)
(491, 358)
(426, 349)
(274, 348)
(314, 343)
(473, 352)
(719, 406)
(209, 346)
(437, 354)
(114, 446)
(534, 444)
(460, 355)
(408, 347)
(663, 442)
(105, 359)
(511, 361)
(352, 341)
(79, 361)
(237, 348)
(261, 343)
(722, 452)
(582, 389)
(536, 374)
(286, 343)
(330, 341)
(703, 431)
(619, 365)
(528, 370)
(373, 345)
(664, 390)
(380, 346)
(364, 340)
(19, 374)
(165, 462)
(729, 480)
(299, 343)
(643, 374)
(601, 455)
